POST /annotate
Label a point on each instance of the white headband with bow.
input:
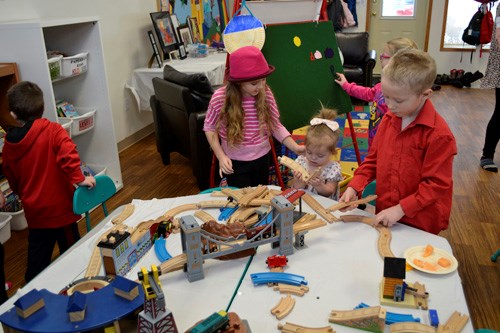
(333, 125)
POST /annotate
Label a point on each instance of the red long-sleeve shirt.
(41, 169)
(413, 168)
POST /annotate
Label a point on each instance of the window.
(398, 8)
(457, 16)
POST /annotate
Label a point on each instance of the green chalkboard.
(301, 82)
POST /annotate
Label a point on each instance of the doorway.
(384, 22)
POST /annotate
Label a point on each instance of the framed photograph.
(182, 52)
(156, 51)
(165, 32)
(195, 29)
(184, 34)
(175, 24)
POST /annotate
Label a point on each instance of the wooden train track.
(363, 318)
(95, 264)
(316, 206)
(455, 323)
(204, 216)
(215, 204)
(125, 214)
(294, 328)
(254, 194)
(284, 307)
(289, 289)
(358, 218)
(341, 205)
(296, 167)
(242, 214)
(308, 225)
(173, 264)
(407, 327)
(384, 242)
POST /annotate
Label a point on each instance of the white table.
(141, 85)
(341, 264)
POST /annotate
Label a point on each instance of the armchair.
(179, 105)
(358, 59)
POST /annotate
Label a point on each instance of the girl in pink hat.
(241, 117)
(321, 142)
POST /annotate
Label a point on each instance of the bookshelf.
(27, 42)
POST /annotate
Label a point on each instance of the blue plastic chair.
(86, 199)
(495, 256)
(369, 190)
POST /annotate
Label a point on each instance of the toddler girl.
(321, 140)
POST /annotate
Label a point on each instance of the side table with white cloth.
(340, 262)
(141, 85)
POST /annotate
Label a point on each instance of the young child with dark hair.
(42, 165)
(241, 117)
(412, 154)
(321, 142)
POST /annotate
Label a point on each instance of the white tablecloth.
(340, 262)
(141, 85)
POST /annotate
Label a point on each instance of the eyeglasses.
(383, 56)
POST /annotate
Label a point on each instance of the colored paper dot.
(318, 55)
(328, 52)
(297, 41)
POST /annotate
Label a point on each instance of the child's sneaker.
(488, 164)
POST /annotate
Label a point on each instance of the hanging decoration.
(243, 30)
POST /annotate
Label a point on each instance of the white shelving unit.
(26, 43)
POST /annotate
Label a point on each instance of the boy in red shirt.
(43, 168)
(412, 154)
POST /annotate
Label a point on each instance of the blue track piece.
(161, 249)
(277, 277)
(225, 213)
(391, 317)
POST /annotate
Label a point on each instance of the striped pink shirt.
(255, 144)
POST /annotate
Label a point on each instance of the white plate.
(417, 252)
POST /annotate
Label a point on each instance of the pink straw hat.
(247, 64)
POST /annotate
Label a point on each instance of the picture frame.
(156, 51)
(167, 36)
(175, 24)
(195, 29)
(184, 34)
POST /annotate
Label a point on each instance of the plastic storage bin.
(66, 124)
(75, 65)
(84, 122)
(18, 221)
(55, 67)
(4, 227)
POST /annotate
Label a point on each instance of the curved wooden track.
(179, 209)
(125, 214)
(296, 167)
(384, 242)
(284, 307)
(455, 323)
(358, 218)
(411, 328)
(95, 264)
(215, 204)
(294, 328)
(316, 206)
(340, 316)
(173, 264)
(289, 289)
(308, 225)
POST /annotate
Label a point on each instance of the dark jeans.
(41, 243)
(493, 129)
(250, 173)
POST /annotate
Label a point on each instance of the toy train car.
(216, 322)
(276, 261)
(251, 233)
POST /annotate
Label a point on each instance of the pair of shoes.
(460, 73)
(453, 74)
(488, 164)
(436, 87)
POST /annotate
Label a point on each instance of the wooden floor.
(474, 231)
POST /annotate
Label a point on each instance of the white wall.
(124, 24)
(445, 60)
